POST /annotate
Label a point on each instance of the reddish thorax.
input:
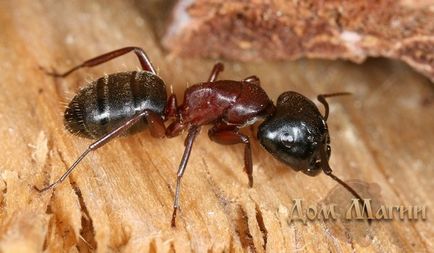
(236, 103)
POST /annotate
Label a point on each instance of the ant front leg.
(157, 130)
(229, 135)
(140, 53)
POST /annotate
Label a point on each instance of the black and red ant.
(293, 131)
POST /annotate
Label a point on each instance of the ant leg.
(322, 99)
(218, 67)
(229, 135)
(175, 129)
(155, 124)
(152, 120)
(192, 133)
(143, 58)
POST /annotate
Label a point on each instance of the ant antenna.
(345, 185)
(322, 99)
(328, 171)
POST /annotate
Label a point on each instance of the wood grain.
(119, 199)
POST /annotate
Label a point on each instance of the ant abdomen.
(112, 99)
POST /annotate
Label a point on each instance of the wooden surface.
(120, 198)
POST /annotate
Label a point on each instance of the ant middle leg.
(192, 133)
(140, 53)
(154, 122)
(229, 135)
(322, 99)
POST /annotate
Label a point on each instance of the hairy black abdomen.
(109, 101)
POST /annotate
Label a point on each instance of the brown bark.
(257, 30)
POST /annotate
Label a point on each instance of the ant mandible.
(294, 131)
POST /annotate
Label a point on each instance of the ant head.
(296, 134)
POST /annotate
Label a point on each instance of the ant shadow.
(353, 230)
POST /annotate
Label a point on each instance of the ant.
(293, 131)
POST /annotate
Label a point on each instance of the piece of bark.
(261, 29)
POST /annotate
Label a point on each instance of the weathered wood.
(120, 198)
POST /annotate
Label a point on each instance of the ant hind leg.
(140, 53)
(153, 120)
(218, 67)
